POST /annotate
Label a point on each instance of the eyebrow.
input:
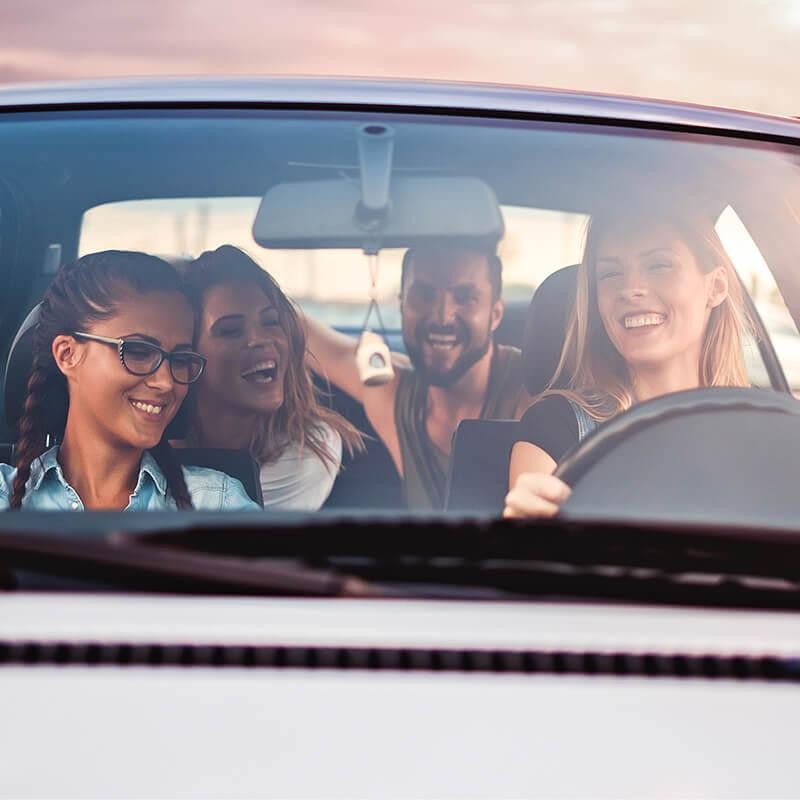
(227, 318)
(143, 336)
(152, 339)
(643, 254)
(237, 317)
(470, 285)
(657, 250)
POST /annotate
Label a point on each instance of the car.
(642, 642)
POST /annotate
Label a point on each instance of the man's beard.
(444, 379)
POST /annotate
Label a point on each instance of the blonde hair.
(594, 373)
(302, 417)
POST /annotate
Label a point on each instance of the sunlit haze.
(722, 52)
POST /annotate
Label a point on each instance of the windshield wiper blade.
(660, 545)
(647, 562)
(120, 562)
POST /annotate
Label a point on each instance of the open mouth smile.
(152, 410)
(442, 341)
(643, 320)
(263, 372)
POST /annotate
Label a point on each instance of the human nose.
(634, 285)
(445, 308)
(161, 379)
(257, 336)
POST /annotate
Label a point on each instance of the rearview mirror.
(330, 214)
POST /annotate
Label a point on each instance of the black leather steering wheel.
(721, 457)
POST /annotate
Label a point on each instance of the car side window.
(759, 282)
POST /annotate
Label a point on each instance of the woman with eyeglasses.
(113, 360)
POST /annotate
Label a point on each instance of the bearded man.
(451, 305)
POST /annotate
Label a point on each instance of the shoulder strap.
(586, 423)
(424, 477)
(504, 391)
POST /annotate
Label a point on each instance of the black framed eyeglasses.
(141, 358)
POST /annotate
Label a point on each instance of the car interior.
(51, 174)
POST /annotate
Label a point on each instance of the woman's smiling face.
(107, 400)
(247, 349)
(653, 299)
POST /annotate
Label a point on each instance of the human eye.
(138, 356)
(608, 273)
(186, 365)
(228, 330)
(464, 295)
(181, 356)
(662, 265)
(270, 319)
(422, 293)
(138, 349)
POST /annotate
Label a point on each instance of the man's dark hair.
(493, 262)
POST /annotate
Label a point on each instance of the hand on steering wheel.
(535, 494)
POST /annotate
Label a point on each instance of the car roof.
(394, 94)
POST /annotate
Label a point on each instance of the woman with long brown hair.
(257, 393)
(658, 309)
(112, 363)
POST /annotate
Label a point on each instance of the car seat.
(546, 329)
(367, 479)
(478, 476)
(237, 463)
(478, 473)
(510, 331)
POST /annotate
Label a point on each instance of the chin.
(440, 371)
(271, 407)
(149, 442)
(645, 360)
(262, 405)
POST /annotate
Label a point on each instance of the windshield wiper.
(647, 562)
(434, 557)
(123, 562)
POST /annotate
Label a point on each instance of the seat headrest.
(18, 370)
(546, 328)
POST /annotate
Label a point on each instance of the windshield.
(356, 312)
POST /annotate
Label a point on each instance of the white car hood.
(81, 731)
(394, 623)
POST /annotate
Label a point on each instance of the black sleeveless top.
(556, 425)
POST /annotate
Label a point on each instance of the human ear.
(498, 309)
(717, 286)
(67, 354)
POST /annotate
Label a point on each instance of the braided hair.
(82, 293)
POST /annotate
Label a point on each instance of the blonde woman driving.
(658, 309)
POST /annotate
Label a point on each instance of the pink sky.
(728, 52)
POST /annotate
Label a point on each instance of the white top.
(300, 480)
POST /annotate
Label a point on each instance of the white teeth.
(260, 367)
(442, 340)
(147, 407)
(643, 320)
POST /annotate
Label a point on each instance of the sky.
(740, 53)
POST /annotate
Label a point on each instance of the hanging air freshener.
(372, 353)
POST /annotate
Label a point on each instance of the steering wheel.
(720, 456)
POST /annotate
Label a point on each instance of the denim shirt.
(48, 490)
